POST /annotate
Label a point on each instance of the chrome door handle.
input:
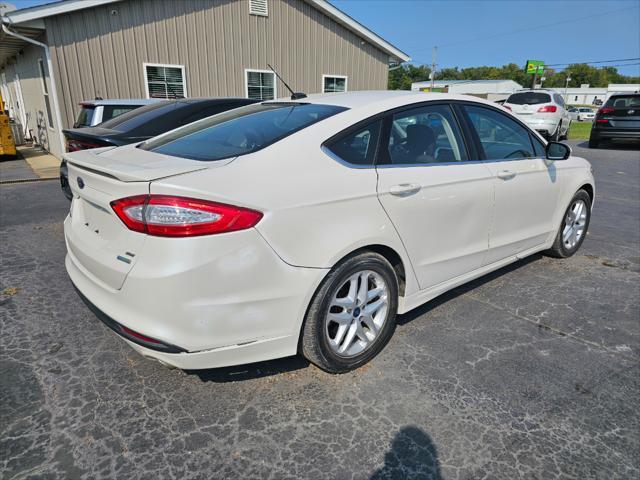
(404, 189)
(506, 174)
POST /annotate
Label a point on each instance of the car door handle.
(404, 189)
(506, 174)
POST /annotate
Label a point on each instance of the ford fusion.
(305, 226)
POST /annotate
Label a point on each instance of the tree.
(580, 73)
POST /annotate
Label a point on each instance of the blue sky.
(473, 33)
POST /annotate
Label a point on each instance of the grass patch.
(579, 130)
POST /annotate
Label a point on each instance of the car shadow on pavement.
(412, 455)
(252, 370)
(462, 289)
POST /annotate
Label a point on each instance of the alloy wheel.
(357, 313)
(574, 224)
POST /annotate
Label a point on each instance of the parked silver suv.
(543, 110)
(93, 112)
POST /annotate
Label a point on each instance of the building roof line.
(67, 6)
(50, 9)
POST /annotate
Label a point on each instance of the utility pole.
(433, 66)
(566, 86)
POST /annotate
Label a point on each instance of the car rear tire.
(352, 314)
(594, 142)
(574, 227)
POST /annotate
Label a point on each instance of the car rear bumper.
(543, 126)
(616, 133)
(219, 300)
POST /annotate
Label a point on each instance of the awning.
(11, 46)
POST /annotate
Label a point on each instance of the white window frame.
(346, 82)
(256, 70)
(266, 7)
(146, 82)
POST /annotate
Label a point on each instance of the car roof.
(377, 98)
(120, 101)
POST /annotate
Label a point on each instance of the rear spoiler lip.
(83, 159)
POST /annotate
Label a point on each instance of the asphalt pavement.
(530, 372)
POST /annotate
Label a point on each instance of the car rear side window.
(84, 117)
(358, 145)
(239, 131)
(501, 137)
(529, 98)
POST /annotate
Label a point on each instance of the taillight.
(548, 109)
(170, 216)
(74, 145)
(604, 111)
(507, 107)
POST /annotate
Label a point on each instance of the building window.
(45, 92)
(258, 7)
(260, 84)
(164, 81)
(334, 83)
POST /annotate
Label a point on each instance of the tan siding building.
(195, 48)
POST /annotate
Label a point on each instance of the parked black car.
(619, 118)
(143, 123)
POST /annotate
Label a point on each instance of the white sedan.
(305, 226)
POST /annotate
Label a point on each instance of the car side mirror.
(558, 151)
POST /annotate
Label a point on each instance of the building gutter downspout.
(52, 80)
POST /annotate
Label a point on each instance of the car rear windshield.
(85, 116)
(529, 98)
(139, 116)
(624, 101)
(240, 131)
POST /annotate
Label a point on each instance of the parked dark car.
(143, 123)
(619, 118)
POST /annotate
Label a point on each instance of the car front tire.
(574, 227)
(352, 314)
(565, 136)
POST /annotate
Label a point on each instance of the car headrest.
(420, 137)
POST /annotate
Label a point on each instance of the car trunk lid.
(132, 164)
(624, 117)
(96, 238)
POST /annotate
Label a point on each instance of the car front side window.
(500, 136)
(425, 135)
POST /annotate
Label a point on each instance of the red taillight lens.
(75, 145)
(507, 107)
(604, 111)
(169, 216)
(548, 109)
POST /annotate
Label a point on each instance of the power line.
(537, 27)
(595, 61)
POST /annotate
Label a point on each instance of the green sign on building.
(534, 67)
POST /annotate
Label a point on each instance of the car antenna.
(294, 95)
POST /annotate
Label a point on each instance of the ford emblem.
(80, 183)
